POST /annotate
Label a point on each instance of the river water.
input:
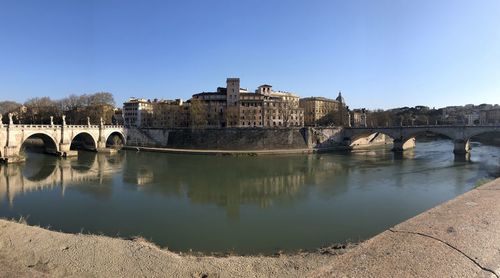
(242, 204)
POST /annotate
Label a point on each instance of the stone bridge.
(57, 139)
(404, 136)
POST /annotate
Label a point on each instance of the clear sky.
(381, 54)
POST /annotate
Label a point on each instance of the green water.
(241, 204)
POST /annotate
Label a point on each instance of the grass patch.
(482, 181)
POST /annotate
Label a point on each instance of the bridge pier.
(101, 148)
(65, 150)
(11, 155)
(398, 145)
(461, 146)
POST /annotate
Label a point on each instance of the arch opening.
(370, 140)
(491, 138)
(115, 140)
(83, 141)
(427, 140)
(39, 143)
(427, 136)
(485, 149)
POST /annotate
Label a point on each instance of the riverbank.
(230, 152)
(459, 238)
(27, 251)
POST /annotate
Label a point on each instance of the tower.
(232, 101)
(233, 91)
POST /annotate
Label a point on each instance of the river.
(242, 204)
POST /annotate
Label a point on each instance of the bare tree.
(198, 113)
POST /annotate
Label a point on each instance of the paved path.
(460, 238)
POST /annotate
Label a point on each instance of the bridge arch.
(416, 133)
(367, 137)
(115, 139)
(487, 137)
(39, 142)
(83, 141)
(483, 132)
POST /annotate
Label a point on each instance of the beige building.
(323, 111)
(230, 106)
(170, 113)
(234, 106)
(490, 116)
(137, 112)
(358, 118)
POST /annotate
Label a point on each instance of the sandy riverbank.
(29, 251)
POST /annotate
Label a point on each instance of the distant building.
(234, 106)
(170, 113)
(324, 111)
(117, 118)
(472, 117)
(358, 118)
(137, 112)
(491, 116)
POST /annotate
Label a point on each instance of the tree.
(7, 107)
(101, 98)
(198, 113)
(232, 115)
(39, 110)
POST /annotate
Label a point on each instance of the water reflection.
(45, 172)
(232, 181)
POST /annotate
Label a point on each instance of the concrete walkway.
(460, 238)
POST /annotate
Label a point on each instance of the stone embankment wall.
(221, 138)
(326, 138)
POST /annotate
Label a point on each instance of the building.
(117, 118)
(358, 118)
(234, 106)
(490, 116)
(324, 111)
(137, 112)
(170, 113)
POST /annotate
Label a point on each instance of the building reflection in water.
(227, 181)
(224, 181)
(45, 172)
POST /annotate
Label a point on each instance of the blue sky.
(381, 54)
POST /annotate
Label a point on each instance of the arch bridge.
(57, 139)
(404, 136)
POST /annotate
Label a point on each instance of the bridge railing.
(82, 126)
(46, 126)
(33, 126)
(424, 126)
